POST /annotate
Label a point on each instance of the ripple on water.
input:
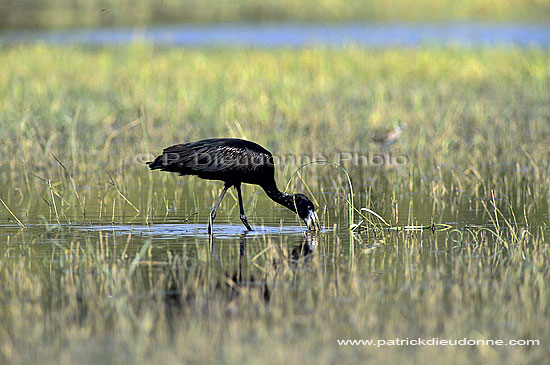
(174, 231)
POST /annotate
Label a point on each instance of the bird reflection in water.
(305, 250)
(232, 285)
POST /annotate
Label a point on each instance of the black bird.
(233, 161)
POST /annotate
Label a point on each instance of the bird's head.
(306, 211)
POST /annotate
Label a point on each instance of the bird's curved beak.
(312, 221)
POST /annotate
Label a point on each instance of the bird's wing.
(227, 158)
(198, 158)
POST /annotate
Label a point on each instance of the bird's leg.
(215, 209)
(241, 208)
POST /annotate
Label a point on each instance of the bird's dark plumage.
(227, 159)
(233, 161)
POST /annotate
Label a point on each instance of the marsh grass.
(64, 13)
(76, 122)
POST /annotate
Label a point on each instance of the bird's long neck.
(278, 196)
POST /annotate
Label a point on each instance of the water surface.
(300, 35)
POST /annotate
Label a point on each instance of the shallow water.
(183, 225)
(175, 231)
(300, 35)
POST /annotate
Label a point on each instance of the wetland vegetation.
(99, 13)
(113, 264)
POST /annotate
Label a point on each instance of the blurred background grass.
(93, 13)
(463, 108)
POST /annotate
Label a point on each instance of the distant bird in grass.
(385, 137)
(233, 161)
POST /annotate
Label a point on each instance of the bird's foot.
(245, 222)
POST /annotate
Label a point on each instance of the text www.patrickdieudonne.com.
(436, 341)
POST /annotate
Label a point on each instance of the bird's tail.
(173, 159)
(156, 164)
